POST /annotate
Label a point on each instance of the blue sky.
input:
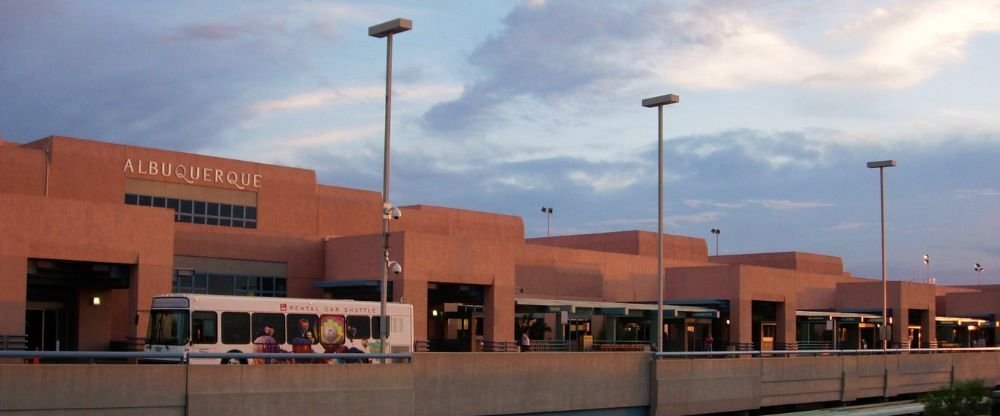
(510, 106)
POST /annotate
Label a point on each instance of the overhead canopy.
(960, 321)
(614, 308)
(860, 317)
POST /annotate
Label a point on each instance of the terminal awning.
(946, 320)
(615, 308)
(840, 316)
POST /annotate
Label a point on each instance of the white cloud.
(340, 96)
(736, 52)
(695, 203)
(895, 47)
(911, 43)
(670, 220)
(976, 193)
(700, 218)
(846, 226)
(784, 204)
(608, 181)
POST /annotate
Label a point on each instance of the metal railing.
(178, 357)
(827, 352)
(13, 342)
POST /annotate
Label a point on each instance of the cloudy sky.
(509, 106)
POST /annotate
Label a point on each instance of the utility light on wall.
(96, 301)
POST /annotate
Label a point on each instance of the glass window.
(145, 200)
(240, 286)
(173, 203)
(238, 211)
(273, 320)
(225, 210)
(213, 208)
(199, 207)
(235, 328)
(200, 281)
(132, 199)
(212, 221)
(198, 219)
(184, 282)
(359, 327)
(167, 327)
(301, 329)
(224, 221)
(183, 218)
(279, 286)
(186, 206)
(238, 223)
(203, 328)
(159, 201)
(250, 224)
(220, 284)
(251, 213)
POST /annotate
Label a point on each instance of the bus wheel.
(234, 361)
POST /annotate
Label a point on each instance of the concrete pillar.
(900, 330)
(741, 321)
(498, 317)
(414, 292)
(147, 280)
(786, 327)
(928, 327)
(13, 292)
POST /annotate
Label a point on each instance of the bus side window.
(377, 328)
(235, 328)
(359, 327)
(302, 329)
(274, 320)
(203, 328)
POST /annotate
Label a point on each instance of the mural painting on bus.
(331, 332)
(303, 339)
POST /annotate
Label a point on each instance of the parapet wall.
(475, 384)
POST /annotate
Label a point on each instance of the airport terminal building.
(91, 231)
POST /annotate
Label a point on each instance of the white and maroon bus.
(219, 324)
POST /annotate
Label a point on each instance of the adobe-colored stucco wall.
(22, 170)
(798, 261)
(63, 229)
(642, 243)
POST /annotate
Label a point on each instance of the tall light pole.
(716, 231)
(979, 272)
(548, 220)
(659, 102)
(927, 265)
(881, 165)
(387, 30)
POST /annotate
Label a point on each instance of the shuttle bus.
(218, 324)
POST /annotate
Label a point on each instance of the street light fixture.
(979, 272)
(659, 102)
(716, 231)
(881, 165)
(927, 265)
(387, 30)
(548, 220)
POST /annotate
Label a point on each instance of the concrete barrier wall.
(684, 386)
(474, 384)
(357, 389)
(92, 389)
(507, 383)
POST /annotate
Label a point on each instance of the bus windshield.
(168, 327)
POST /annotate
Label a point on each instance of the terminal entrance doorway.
(51, 318)
(455, 317)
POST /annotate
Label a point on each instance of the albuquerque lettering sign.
(193, 174)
